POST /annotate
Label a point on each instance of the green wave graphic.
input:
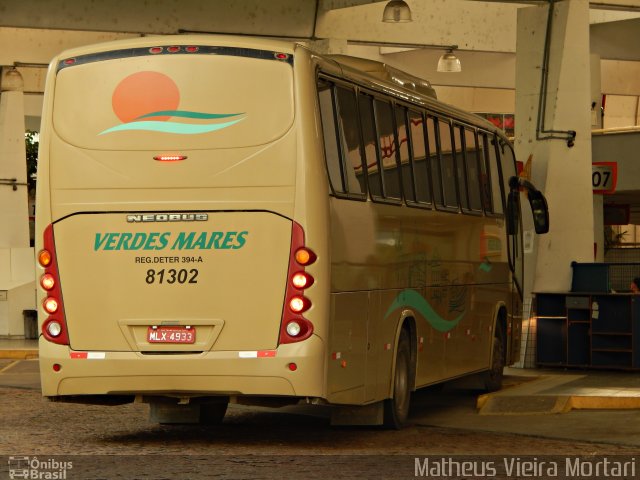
(171, 127)
(187, 114)
(412, 299)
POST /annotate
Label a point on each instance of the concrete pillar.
(17, 289)
(14, 221)
(563, 173)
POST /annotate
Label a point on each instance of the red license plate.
(171, 335)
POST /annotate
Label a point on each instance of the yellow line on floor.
(8, 367)
(18, 354)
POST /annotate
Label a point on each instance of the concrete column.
(17, 288)
(563, 173)
(14, 221)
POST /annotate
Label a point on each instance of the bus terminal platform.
(584, 405)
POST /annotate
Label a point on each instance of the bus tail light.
(302, 280)
(50, 305)
(304, 256)
(47, 281)
(294, 327)
(299, 304)
(54, 329)
(44, 258)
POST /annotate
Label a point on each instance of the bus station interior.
(565, 86)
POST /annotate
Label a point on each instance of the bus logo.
(413, 299)
(147, 100)
(168, 217)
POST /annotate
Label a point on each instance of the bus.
(234, 219)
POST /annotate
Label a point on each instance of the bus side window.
(473, 172)
(496, 188)
(447, 167)
(330, 136)
(350, 137)
(388, 148)
(434, 162)
(485, 181)
(405, 161)
(419, 154)
(371, 152)
(461, 167)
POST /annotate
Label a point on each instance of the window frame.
(339, 129)
(433, 151)
(429, 181)
(438, 118)
(469, 128)
(385, 198)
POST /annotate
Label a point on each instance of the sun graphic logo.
(149, 101)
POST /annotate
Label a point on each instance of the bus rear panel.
(168, 216)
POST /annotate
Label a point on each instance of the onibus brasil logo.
(148, 100)
(35, 468)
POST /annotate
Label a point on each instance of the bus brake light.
(54, 328)
(170, 158)
(299, 304)
(47, 281)
(50, 304)
(302, 280)
(293, 326)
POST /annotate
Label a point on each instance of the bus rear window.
(168, 102)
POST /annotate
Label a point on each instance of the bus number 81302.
(172, 276)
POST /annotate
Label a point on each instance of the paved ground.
(262, 443)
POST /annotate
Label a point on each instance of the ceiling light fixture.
(396, 11)
(449, 62)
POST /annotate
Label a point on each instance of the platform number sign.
(604, 176)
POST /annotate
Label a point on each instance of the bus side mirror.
(539, 207)
(540, 211)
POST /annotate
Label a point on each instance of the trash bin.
(30, 324)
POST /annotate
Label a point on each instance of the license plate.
(171, 335)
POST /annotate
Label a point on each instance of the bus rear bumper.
(268, 373)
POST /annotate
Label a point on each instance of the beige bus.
(226, 219)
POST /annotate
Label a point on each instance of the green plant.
(31, 144)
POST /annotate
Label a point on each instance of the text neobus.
(168, 240)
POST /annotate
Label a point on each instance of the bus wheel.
(396, 408)
(493, 377)
(213, 413)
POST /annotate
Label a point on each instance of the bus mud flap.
(358, 415)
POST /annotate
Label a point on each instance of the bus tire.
(213, 413)
(396, 408)
(493, 376)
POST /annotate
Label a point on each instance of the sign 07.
(604, 177)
